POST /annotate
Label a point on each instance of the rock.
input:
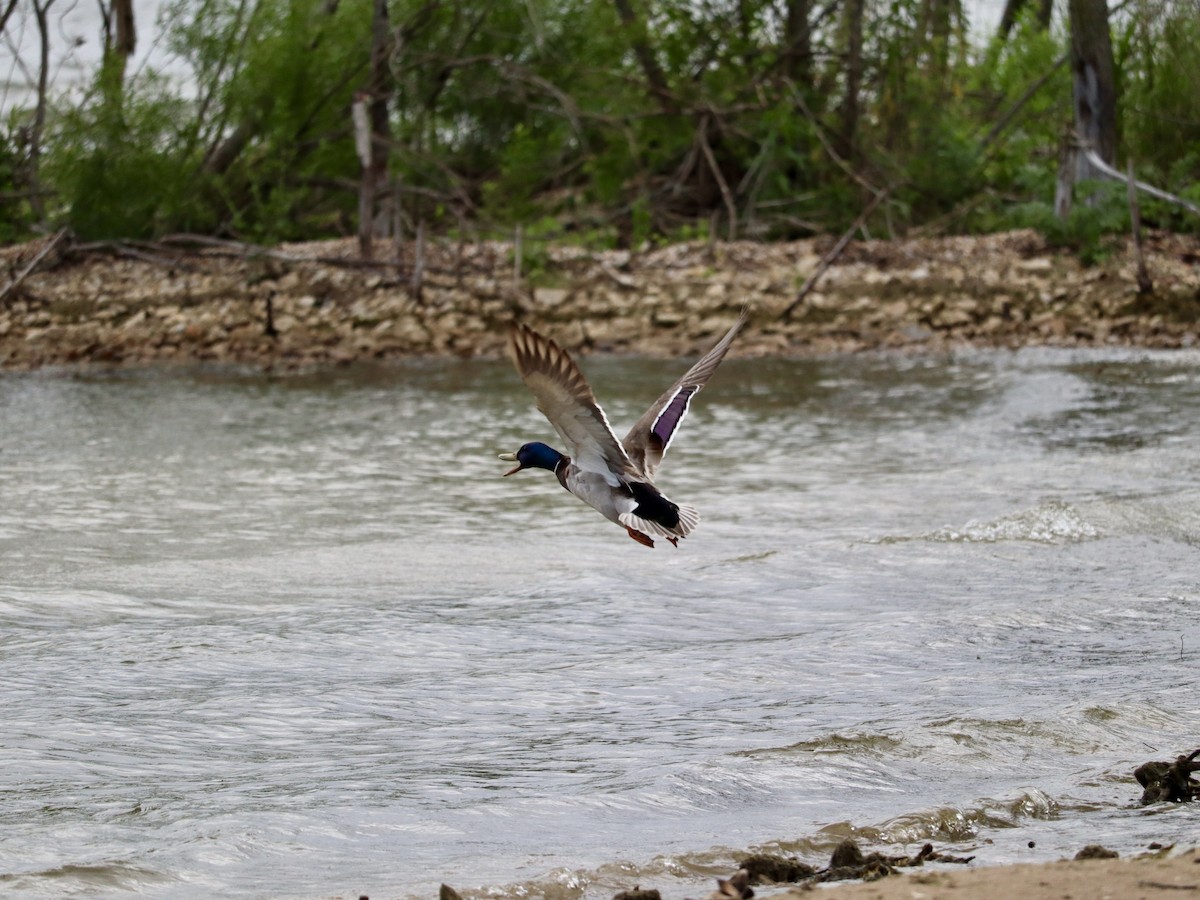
(1095, 851)
(667, 318)
(549, 297)
(1169, 781)
(916, 334)
(779, 869)
(846, 854)
(953, 317)
(1036, 265)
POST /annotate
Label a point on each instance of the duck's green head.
(535, 455)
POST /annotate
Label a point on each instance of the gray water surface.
(296, 637)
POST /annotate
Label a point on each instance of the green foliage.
(286, 74)
(133, 161)
(1086, 229)
(1161, 88)
(1021, 159)
(119, 168)
(16, 213)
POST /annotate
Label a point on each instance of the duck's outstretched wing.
(565, 398)
(648, 440)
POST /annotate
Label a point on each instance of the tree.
(1095, 93)
(797, 50)
(853, 24)
(373, 150)
(33, 175)
(120, 40)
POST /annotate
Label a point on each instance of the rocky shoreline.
(308, 305)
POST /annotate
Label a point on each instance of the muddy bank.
(299, 306)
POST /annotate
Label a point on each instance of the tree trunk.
(854, 76)
(366, 183)
(374, 155)
(33, 172)
(120, 40)
(125, 39)
(798, 43)
(1095, 92)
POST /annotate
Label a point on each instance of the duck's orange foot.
(643, 539)
(674, 541)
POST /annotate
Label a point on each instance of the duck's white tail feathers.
(688, 519)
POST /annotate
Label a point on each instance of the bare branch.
(829, 258)
(50, 247)
(7, 14)
(1105, 169)
(730, 205)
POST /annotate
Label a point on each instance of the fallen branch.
(1104, 168)
(50, 246)
(829, 258)
(142, 251)
(216, 247)
(622, 280)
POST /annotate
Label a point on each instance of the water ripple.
(297, 637)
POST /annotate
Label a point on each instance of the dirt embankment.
(299, 306)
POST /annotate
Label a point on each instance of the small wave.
(83, 879)
(853, 744)
(1049, 523)
(671, 874)
(956, 825)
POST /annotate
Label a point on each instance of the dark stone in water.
(779, 869)
(1095, 851)
(848, 862)
(1169, 780)
(639, 894)
(846, 854)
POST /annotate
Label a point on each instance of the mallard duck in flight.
(614, 477)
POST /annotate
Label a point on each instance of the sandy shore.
(1092, 879)
(300, 306)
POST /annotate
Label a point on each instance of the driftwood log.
(1169, 780)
